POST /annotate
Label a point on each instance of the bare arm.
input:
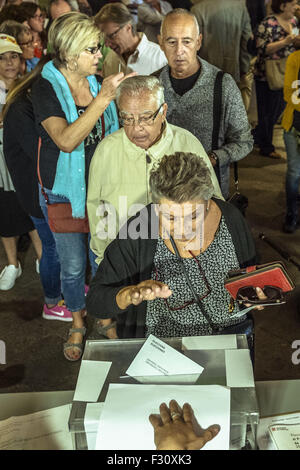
(68, 136)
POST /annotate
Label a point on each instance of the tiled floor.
(34, 359)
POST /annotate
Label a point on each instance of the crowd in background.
(96, 94)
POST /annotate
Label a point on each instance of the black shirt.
(20, 142)
(182, 85)
(45, 105)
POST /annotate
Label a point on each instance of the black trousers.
(270, 105)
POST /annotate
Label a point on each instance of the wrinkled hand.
(110, 84)
(177, 429)
(261, 296)
(146, 290)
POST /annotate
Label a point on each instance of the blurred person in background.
(276, 36)
(14, 220)
(36, 21)
(24, 39)
(150, 15)
(132, 50)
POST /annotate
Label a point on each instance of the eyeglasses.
(145, 120)
(24, 44)
(249, 295)
(171, 303)
(94, 50)
(38, 17)
(113, 35)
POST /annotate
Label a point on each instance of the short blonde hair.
(70, 34)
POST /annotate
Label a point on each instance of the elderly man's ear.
(165, 109)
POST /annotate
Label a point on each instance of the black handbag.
(237, 199)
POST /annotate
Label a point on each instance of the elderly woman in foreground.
(173, 252)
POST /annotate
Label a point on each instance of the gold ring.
(174, 414)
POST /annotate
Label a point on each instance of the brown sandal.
(74, 345)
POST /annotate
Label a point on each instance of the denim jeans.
(49, 263)
(292, 174)
(71, 249)
(270, 105)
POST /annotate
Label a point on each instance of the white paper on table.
(209, 342)
(91, 423)
(264, 440)
(44, 430)
(239, 370)
(157, 358)
(124, 422)
(91, 378)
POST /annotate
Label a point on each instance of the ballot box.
(225, 360)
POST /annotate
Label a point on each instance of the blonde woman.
(68, 103)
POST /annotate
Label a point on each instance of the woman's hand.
(110, 84)
(178, 429)
(146, 290)
(289, 39)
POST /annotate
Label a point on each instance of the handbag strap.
(39, 155)
(217, 111)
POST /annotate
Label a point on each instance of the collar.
(141, 47)
(204, 78)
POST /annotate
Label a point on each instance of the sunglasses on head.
(249, 295)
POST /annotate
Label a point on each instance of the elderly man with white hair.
(120, 167)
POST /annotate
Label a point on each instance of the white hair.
(180, 11)
(134, 86)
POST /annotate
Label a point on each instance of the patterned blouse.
(179, 317)
(270, 31)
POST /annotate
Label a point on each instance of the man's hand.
(177, 429)
(146, 290)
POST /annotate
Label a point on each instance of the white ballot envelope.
(158, 359)
(124, 422)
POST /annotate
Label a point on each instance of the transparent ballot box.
(218, 370)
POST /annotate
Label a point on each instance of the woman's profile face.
(289, 8)
(36, 23)
(184, 222)
(9, 65)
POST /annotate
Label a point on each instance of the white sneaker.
(9, 275)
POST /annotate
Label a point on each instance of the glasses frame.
(28, 43)
(190, 302)
(150, 120)
(94, 50)
(257, 301)
(111, 36)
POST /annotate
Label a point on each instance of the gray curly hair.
(181, 177)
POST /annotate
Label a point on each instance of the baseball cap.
(9, 44)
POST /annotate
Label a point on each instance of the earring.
(75, 66)
(207, 207)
